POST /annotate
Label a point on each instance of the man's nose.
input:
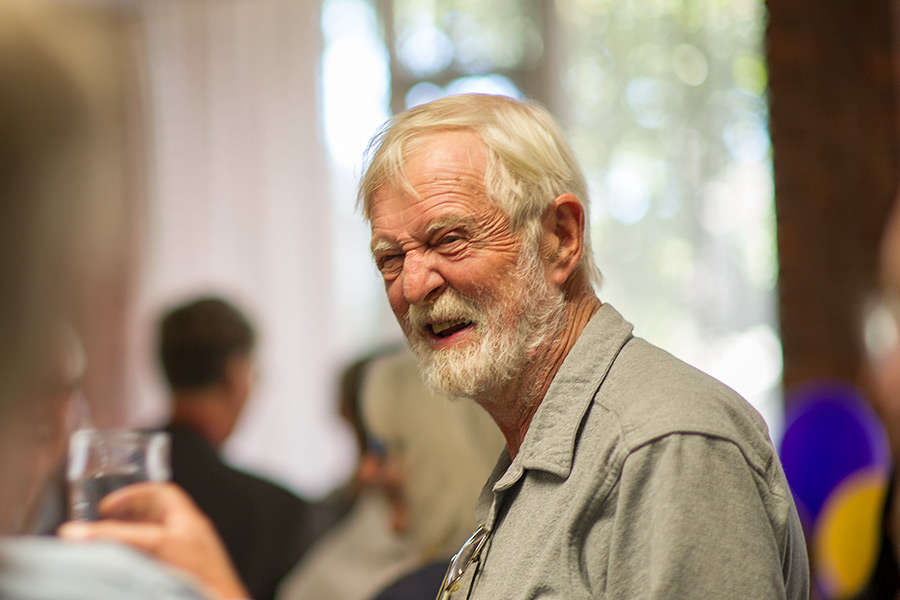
(421, 281)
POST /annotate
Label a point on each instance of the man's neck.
(514, 406)
(202, 412)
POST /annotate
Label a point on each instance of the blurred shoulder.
(45, 568)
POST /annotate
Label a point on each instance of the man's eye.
(449, 239)
(390, 262)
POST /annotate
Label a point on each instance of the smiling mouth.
(445, 329)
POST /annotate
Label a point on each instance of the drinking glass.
(103, 460)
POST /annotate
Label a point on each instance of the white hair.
(529, 161)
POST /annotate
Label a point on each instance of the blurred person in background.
(48, 506)
(882, 376)
(206, 350)
(61, 84)
(424, 463)
(338, 504)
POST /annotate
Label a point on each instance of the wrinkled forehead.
(414, 152)
(450, 165)
(455, 151)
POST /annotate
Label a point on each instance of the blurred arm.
(161, 520)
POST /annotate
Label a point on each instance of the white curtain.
(238, 206)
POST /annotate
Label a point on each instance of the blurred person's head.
(60, 94)
(58, 409)
(428, 455)
(206, 353)
(349, 390)
(882, 334)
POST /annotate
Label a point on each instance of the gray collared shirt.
(639, 477)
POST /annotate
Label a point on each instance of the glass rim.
(124, 432)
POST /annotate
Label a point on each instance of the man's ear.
(564, 234)
(238, 378)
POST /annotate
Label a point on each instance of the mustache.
(448, 306)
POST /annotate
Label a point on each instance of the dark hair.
(350, 385)
(196, 341)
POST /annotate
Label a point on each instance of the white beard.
(508, 327)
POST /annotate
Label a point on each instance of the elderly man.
(628, 474)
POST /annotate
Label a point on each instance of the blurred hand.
(161, 520)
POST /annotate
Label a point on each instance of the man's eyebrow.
(447, 222)
(382, 245)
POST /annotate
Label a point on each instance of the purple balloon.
(830, 432)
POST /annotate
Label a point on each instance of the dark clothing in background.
(885, 581)
(264, 527)
(423, 583)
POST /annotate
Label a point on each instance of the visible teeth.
(439, 327)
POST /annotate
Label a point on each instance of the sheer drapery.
(238, 205)
(245, 200)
